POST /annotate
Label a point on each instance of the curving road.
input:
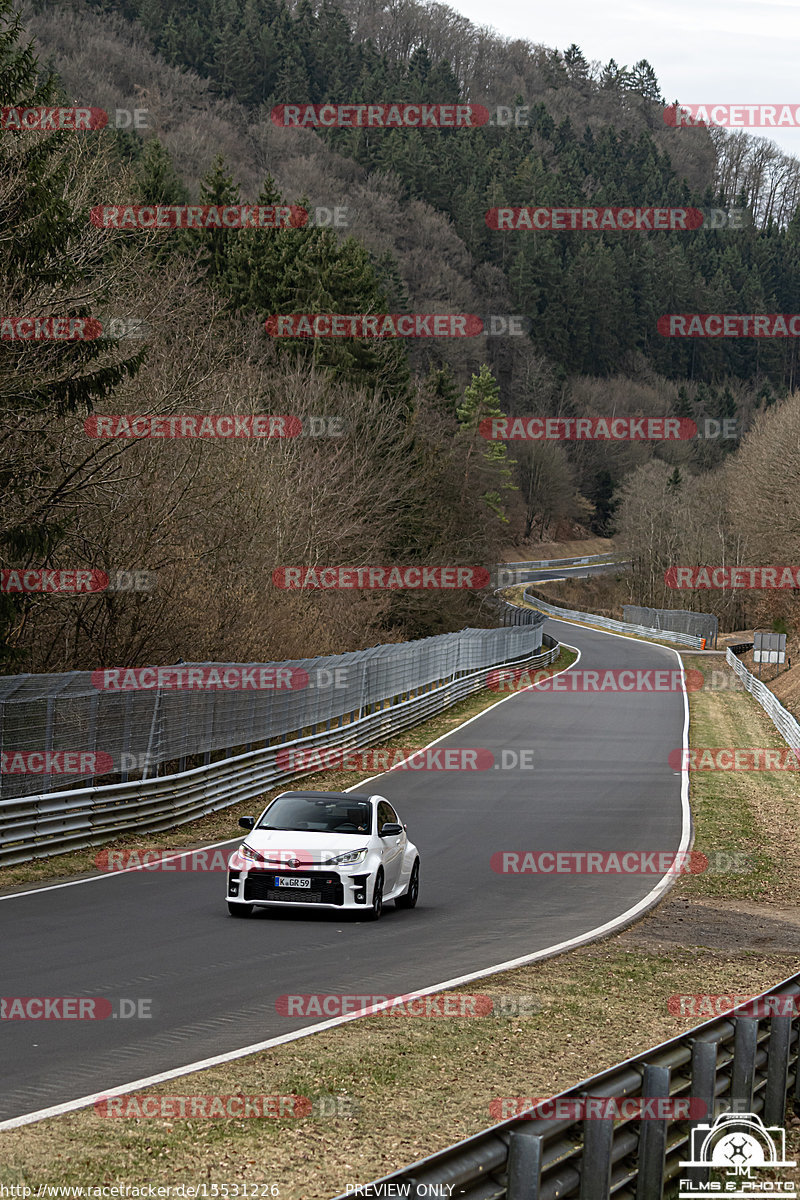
(545, 574)
(601, 781)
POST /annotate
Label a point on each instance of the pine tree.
(217, 187)
(675, 482)
(482, 402)
(159, 182)
(440, 385)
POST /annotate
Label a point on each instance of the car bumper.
(328, 889)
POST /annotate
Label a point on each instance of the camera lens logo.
(736, 1144)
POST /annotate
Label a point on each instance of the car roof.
(331, 795)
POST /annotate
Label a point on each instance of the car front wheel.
(240, 910)
(411, 894)
(377, 898)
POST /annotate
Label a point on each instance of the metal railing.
(568, 614)
(615, 556)
(55, 823)
(733, 1063)
(781, 718)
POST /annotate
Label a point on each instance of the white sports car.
(338, 850)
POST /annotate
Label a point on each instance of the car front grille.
(325, 888)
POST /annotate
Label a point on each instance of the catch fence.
(144, 721)
(389, 694)
(677, 620)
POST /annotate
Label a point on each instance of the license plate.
(282, 881)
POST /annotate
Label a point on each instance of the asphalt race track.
(580, 572)
(601, 781)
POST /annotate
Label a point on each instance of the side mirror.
(390, 829)
(246, 822)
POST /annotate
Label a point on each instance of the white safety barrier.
(569, 614)
(781, 718)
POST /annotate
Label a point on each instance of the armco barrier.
(568, 614)
(620, 557)
(781, 718)
(55, 823)
(742, 1064)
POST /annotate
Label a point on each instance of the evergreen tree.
(675, 482)
(481, 403)
(217, 187)
(158, 181)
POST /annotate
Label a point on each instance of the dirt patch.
(717, 925)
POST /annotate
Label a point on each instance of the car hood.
(282, 844)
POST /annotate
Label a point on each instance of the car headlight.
(248, 852)
(350, 857)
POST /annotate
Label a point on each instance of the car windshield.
(318, 814)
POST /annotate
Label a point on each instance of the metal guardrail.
(44, 825)
(568, 614)
(617, 556)
(743, 1064)
(781, 718)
